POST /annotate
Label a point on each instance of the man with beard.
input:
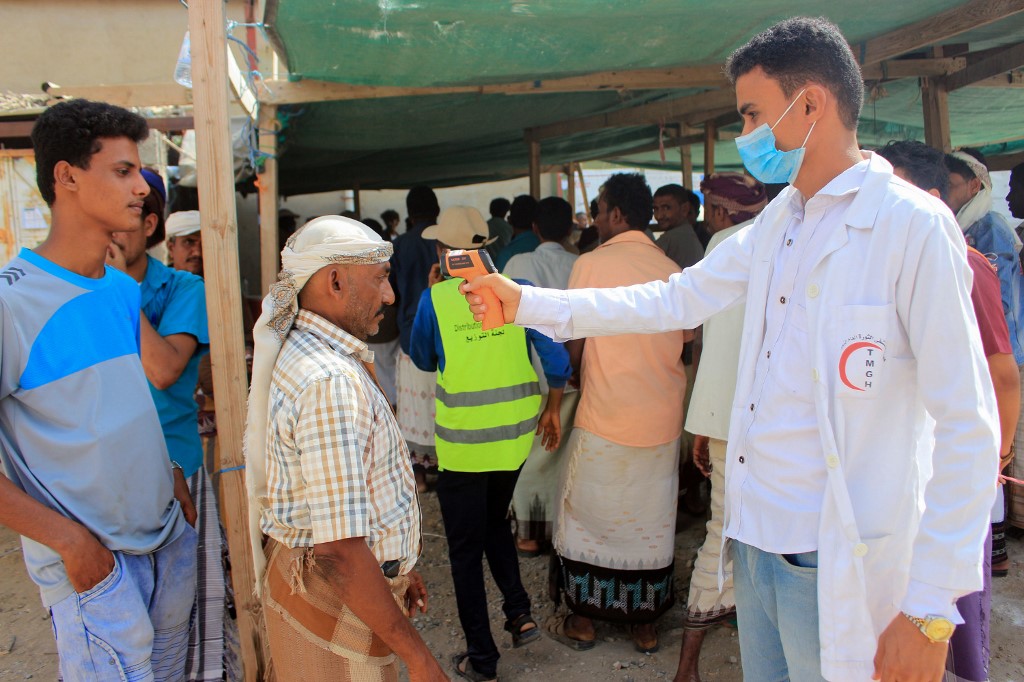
(329, 476)
(184, 242)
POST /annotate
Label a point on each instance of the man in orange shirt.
(615, 520)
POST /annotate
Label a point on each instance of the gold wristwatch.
(935, 628)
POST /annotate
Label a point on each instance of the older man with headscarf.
(731, 202)
(328, 471)
(970, 198)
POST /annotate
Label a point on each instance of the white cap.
(182, 223)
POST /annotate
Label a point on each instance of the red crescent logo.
(850, 350)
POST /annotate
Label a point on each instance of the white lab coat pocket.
(859, 354)
(886, 571)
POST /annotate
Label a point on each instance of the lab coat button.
(860, 549)
(832, 461)
(813, 291)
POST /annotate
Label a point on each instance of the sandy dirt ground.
(27, 649)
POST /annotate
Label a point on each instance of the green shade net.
(445, 140)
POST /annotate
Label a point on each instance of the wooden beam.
(1002, 62)
(570, 178)
(534, 169)
(129, 94)
(215, 169)
(1004, 162)
(356, 204)
(1011, 79)
(705, 75)
(680, 108)
(700, 76)
(935, 29)
(709, 147)
(10, 129)
(269, 234)
(893, 69)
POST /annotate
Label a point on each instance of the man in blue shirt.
(88, 481)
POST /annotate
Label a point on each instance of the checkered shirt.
(337, 465)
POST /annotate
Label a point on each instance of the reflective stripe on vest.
(488, 396)
(495, 433)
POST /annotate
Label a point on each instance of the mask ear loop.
(795, 100)
(809, 134)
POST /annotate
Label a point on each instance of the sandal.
(556, 628)
(469, 673)
(521, 635)
(644, 646)
(536, 551)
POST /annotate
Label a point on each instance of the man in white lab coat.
(862, 386)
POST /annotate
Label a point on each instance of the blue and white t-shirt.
(78, 428)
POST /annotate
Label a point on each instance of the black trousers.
(474, 507)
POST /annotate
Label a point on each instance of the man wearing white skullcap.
(328, 471)
(184, 242)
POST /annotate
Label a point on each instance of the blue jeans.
(133, 625)
(777, 612)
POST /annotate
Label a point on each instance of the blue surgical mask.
(764, 160)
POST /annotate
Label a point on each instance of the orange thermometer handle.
(495, 316)
(470, 264)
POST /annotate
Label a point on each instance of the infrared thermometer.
(470, 264)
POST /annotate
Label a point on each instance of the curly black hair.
(924, 165)
(805, 50)
(630, 193)
(71, 131)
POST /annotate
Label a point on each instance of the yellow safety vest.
(488, 396)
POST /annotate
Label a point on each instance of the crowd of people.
(835, 341)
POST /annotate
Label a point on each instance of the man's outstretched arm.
(683, 302)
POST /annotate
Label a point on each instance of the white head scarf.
(981, 203)
(319, 243)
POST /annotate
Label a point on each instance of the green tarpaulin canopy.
(458, 138)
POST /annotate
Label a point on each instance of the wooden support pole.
(356, 203)
(269, 239)
(935, 107)
(686, 158)
(535, 169)
(215, 168)
(570, 178)
(709, 147)
(583, 191)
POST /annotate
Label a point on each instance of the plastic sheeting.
(454, 139)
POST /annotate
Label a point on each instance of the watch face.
(939, 630)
